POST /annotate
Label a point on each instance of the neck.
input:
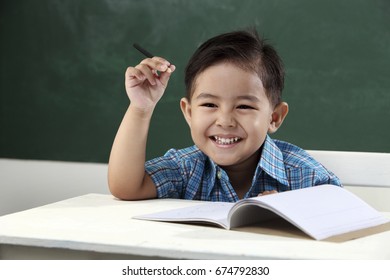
(241, 174)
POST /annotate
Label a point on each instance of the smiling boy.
(234, 85)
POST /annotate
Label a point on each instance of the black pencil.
(142, 50)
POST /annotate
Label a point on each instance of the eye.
(209, 105)
(244, 107)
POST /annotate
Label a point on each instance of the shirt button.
(219, 175)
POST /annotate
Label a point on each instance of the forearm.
(145, 85)
(126, 169)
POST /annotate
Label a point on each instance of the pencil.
(142, 50)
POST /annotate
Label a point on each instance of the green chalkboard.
(63, 62)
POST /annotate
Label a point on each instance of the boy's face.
(229, 114)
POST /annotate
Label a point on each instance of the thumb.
(164, 76)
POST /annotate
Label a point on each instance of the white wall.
(365, 174)
(25, 184)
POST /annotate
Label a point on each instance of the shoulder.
(294, 156)
(174, 167)
(298, 161)
(177, 158)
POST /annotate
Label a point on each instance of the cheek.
(198, 122)
(259, 125)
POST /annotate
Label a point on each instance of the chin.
(225, 162)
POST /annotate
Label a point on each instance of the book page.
(322, 211)
(213, 212)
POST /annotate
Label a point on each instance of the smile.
(225, 141)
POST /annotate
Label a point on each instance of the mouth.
(225, 140)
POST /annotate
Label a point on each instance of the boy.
(233, 100)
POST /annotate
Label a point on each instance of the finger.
(132, 72)
(134, 76)
(164, 76)
(267, 192)
(162, 60)
(156, 63)
(147, 72)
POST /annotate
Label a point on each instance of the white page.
(209, 211)
(324, 211)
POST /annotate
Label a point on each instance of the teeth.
(226, 141)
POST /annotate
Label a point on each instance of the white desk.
(97, 226)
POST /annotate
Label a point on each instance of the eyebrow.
(205, 95)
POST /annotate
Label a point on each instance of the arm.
(126, 168)
(267, 192)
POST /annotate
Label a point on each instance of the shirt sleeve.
(166, 174)
(326, 177)
(304, 171)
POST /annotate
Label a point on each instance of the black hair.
(246, 50)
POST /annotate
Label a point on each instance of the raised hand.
(145, 83)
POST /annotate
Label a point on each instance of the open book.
(321, 212)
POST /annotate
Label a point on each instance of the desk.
(97, 226)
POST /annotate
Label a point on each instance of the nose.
(225, 119)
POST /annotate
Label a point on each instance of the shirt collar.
(271, 162)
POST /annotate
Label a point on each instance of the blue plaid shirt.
(190, 174)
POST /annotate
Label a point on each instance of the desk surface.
(102, 224)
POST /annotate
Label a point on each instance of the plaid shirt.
(190, 174)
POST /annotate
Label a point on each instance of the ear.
(185, 106)
(278, 116)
